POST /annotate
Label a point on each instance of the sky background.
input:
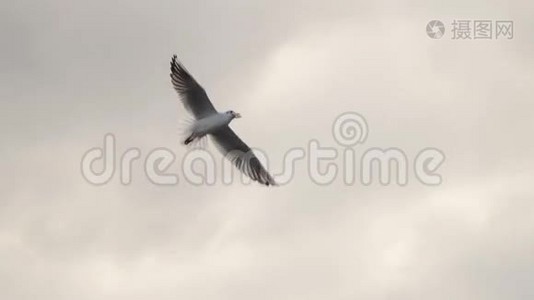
(72, 71)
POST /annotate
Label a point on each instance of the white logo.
(435, 29)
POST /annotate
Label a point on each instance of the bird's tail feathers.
(193, 141)
(185, 127)
(187, 131)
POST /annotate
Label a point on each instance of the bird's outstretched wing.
(241, 156)
(193, 96)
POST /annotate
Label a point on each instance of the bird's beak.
(237, 115)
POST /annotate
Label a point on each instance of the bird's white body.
(210, 124)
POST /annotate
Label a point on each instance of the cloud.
(87, 69)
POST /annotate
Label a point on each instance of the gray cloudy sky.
(72, 71)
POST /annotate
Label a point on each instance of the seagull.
(209, 122)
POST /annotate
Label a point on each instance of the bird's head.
(233, 114)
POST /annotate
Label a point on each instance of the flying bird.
(209, 122)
